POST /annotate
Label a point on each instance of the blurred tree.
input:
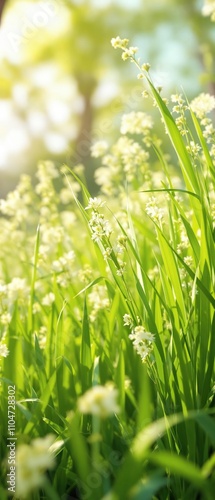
(204, 46)
(173, 36)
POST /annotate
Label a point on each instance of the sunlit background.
(63, 86)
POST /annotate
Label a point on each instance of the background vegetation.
(107, 302)
(62, 88)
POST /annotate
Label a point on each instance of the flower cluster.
(127, 320)
(136, 123)
(202, 105)
(32, 461)
(126, 160)
(180, 108)
(94, 204)
(98, 149)
(16, 290)
(193, 149)
(3, 350)
(100, 227)
(128, 52)
(100, 400)
(48, 299)
(152, 209)
(142, 341)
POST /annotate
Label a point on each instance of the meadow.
(107, 315)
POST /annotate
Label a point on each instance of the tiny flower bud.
(146, 67)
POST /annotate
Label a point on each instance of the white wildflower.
(120, 43)
(142, 341)
(85, 274)
(64, 262)
(15, 205)
(120, 271)
(99, 227)
(107, 252)
(48, 299)
(57, 265)
(121, 243)
(47, 169)
(32, 461)
(3, 350)
(184, 242)
(143, 350)
(188, 260)
(156, 213)
(202, 105)
(94, 203)
(193, 149)
(146, 67)
(98, 149)
(139, 334)
(145, 94)
(130, 52)
(136, 123)
(5, 318)
(51, 235)
(43, 330)
(209, 132)
(127, 320)
(178, 99)
(66, 196)
(100, 401)
(17, 290)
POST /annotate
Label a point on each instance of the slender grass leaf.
(85, 354)
(177, 142)
(178, 465)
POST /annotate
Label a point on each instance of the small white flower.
(143, 350)
(120, 271)
(5, 318)
(127, 319)
(107, 252)
(99, 226)
(136, 123)
(202, 105)
(193, 149)
(100, 401)
(94, 204)
(48, 299)
(98, 149)
(17, 291)
(130, 52)
(119, 43)
(32, 461)
(146, 67)
(142, 341)
(3, 350)
(156, 213)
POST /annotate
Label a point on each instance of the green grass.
(159, 268)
